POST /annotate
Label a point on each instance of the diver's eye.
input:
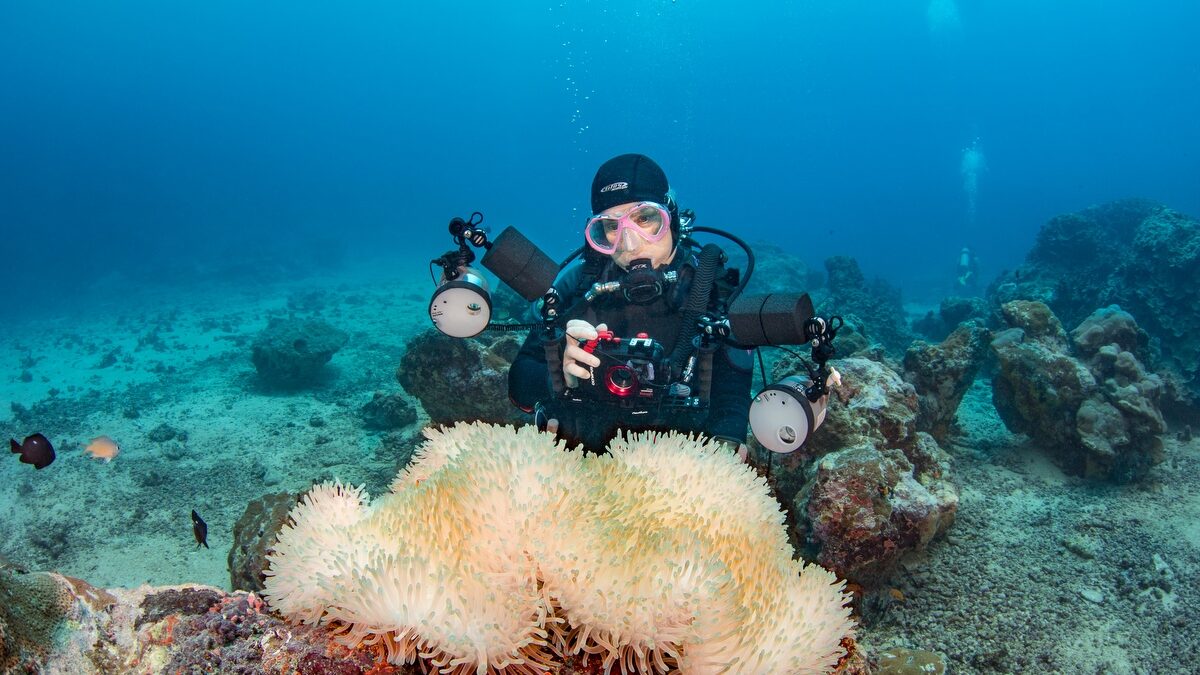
(647, 217)
(610, 225)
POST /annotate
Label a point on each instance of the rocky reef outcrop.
(292, 353)
(1087, 398)
(865, 508)
(461, 380)
(1134, 253)
(776, 270)
(388, 412)
(952, 312)
(872, 308)
(56, 624)
(941, 374)
(869, 488)
(254, 538)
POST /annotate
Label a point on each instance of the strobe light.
(781, 416)
(461, 307)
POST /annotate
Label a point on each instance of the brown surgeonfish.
(199, 529)
(36, 450)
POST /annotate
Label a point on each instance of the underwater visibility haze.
(1000, 198)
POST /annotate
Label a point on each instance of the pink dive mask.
(609, 233)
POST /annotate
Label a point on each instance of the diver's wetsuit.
(594, 425)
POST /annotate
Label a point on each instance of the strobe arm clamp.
(820, 334)
(463, 232)
(713, 327)
(551, 310)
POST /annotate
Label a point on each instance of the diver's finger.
(581, 330)
(574, 353)
(578, 371)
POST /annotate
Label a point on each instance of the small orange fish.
(103, 447)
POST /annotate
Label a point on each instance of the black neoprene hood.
(628, 178)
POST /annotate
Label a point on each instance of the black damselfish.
(199, 529)
(36, 450)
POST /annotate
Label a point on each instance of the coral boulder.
(292, 353)
(1094, 406)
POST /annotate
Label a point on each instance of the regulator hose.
(697, 303)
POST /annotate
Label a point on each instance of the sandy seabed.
(124, 362)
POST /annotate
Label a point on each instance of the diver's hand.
(577, 363)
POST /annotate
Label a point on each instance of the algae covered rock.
(942, 374)
(1095, 407)
(1109, 326)
(461, 380)
(387, 412)
(40, 614)
(254, 538)
(952, 312)
(291, 353)
(872, 404)
(865, 509)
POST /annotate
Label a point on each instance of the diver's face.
(631, 246)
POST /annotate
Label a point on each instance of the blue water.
(149, 137)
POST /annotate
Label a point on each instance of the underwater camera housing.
(631, 369)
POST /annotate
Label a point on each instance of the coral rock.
(866, 509)
(292, 353)
(942, 373)
(1101, 418)
(1133, 253)
(877, 305)
(254, 538)
(1109, 326)
(873, 404)
(460, 380)
(386, 412)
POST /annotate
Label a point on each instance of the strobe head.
(461, 307)
(781, 416)
(770, 319)
(520, 264)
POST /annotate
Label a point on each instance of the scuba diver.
(631, 304)
(968, 270)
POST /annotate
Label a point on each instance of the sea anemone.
(498, 550)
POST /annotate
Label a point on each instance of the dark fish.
(36, 450)
(199, 529)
